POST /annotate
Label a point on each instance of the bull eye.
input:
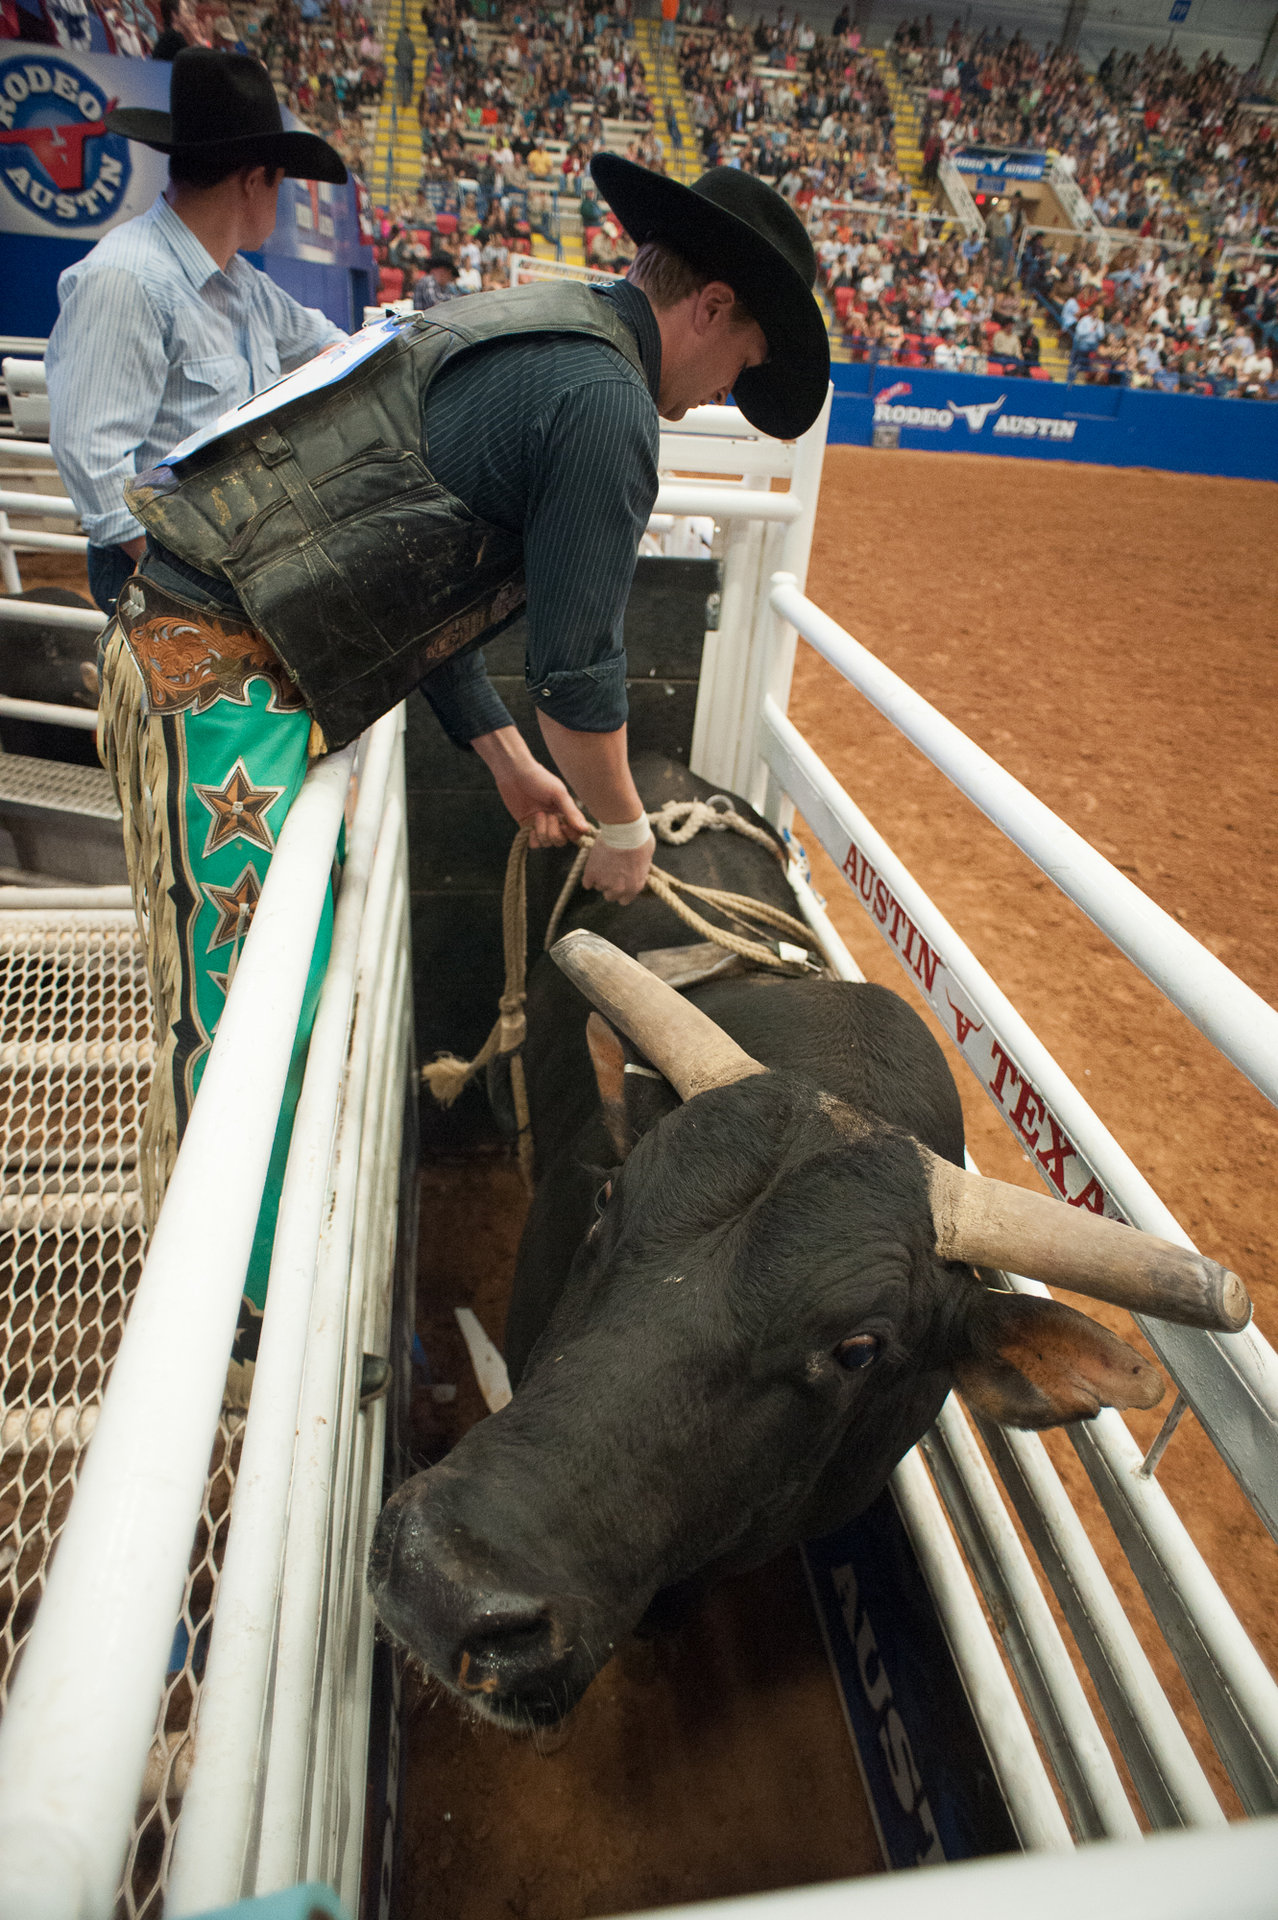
(858, 1351)
(602, 1198)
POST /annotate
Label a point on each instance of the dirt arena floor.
(1112, 639)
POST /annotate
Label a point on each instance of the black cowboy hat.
(732, 226)
(442, 260)
(223, 105)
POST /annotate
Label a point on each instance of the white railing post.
(751, 653)
(75, 1738)
(212, 1840)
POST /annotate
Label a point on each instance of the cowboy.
(163, 325)
(318, 554)
(436, 282)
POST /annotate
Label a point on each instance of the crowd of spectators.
(329, 65)
(1133, 130)
(817, 112)
(538, 74)
(516, 102)
(813, 114)
(910, 299)
(1145, 318)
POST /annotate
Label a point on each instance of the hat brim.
(303, 156)
(783, 397)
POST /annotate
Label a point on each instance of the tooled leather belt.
(191, 656)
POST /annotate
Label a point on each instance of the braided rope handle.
(675, 823)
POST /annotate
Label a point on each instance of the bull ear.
(1036, 1363)
(632, 1095)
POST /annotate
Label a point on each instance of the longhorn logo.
(977, 413)
(56, 156)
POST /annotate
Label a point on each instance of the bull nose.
(514, 1651)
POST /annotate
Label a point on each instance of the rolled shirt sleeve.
(107, 366)
(594, 483)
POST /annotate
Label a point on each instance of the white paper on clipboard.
(333, 364)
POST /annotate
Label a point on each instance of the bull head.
(980, 1222)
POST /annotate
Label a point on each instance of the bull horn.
(683, 1043)
(989, 1223)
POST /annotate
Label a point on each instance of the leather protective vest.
(359, 568)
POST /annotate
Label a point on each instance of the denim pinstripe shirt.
(557, 438)
(154, 341)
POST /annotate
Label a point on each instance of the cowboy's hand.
(619, 873)
(531, 793)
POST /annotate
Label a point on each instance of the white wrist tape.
(629, 835)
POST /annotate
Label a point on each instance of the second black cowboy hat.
(222, 105)
(730, 225)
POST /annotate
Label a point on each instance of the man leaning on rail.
(362, 529)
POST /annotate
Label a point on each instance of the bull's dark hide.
(722, 1344)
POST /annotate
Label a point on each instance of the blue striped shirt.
(154, 341)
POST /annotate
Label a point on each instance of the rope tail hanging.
(676, 823)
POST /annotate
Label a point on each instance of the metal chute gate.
(274, 1638)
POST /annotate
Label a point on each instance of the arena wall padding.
(917, 407)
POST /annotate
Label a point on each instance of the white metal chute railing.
(1232, 1688)
(74, 1741)
(212, 1843)
(1231, 1380)
(1171, 1783)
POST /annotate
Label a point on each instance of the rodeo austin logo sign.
(56, 156)
(889, 412)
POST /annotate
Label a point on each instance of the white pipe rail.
(212, 1840)
(25, 450)
(48, 506)
(28, 612)
(1230, 1876)
(39, 899)
(1170, 1782)
(727, 503)
(302, 1622)
(34, 540)
(1022, 1778)
(83, 719)
(75, 1738)
(1202, 1365)
(1233, 1017)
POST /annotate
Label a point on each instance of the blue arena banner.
(1049, 420)
(927, 1776)
(1002, 163)
(65, 181)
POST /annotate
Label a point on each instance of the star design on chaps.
(234, 907)
(239, 811)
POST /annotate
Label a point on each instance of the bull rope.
(676, 823)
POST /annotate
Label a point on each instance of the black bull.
(729, 1320)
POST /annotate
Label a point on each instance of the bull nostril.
(494, 1650)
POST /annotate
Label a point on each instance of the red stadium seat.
(446, 223)
(842, 301)
(390, 283)
(1039, 373)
